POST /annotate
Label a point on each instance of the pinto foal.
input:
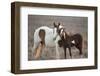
(68, 41)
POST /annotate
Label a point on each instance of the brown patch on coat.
(42, 36)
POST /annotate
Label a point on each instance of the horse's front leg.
(70, 51)
(57, 52)
(65, 51)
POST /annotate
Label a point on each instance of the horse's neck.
(66, 36)
(54, 33)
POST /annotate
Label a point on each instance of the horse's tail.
(40, 43)
(42, 36)
(81, 43)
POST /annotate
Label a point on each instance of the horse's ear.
(58, 23)
(54, 24)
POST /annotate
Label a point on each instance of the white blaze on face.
(60, 26)
(73, 41)
(61, 31)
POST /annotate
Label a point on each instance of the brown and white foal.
(68, 41)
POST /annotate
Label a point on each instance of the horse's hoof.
(70, 57)
(81, 56)
(57, 58)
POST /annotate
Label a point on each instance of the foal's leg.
(65, 52)
(80, 51)
(70, 51)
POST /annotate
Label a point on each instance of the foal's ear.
(54, 24)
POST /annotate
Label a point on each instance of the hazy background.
(72, 25)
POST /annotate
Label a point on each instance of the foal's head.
(60, 29)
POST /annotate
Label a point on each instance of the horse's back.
(48, 35)
(77, 36)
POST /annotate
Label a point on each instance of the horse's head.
(59, 28)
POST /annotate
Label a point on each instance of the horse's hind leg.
(35, 49)
(35, 46)
(80, 51)
(38, 51)
(79, 47)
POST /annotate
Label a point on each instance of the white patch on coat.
(73, 41)
(61, 31)
(50, 34)
(60, 26)
(64, 36)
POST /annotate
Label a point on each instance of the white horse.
(46, 37)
